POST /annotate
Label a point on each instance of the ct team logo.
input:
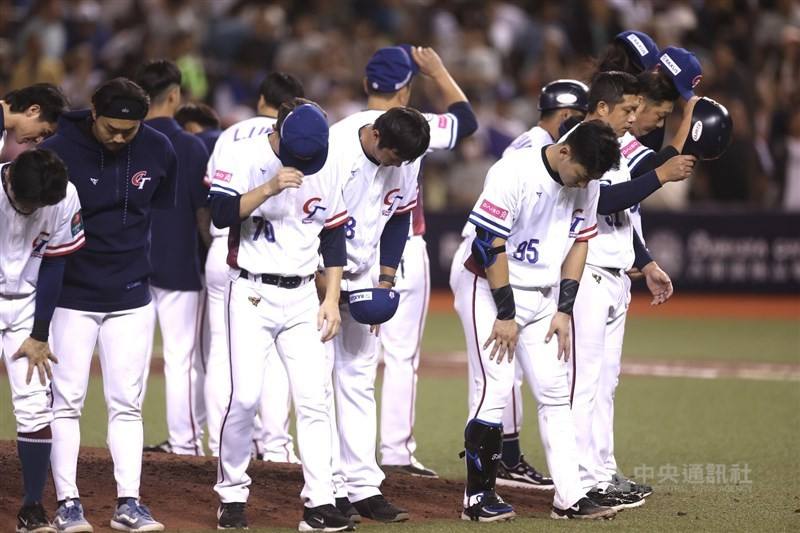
(391, 200)
(577, 218)
(139, 179)
(39, 243)
(310, 208)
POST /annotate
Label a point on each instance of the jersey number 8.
(527, 251)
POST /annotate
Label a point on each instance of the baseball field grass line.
(673, 428)
(660, 338)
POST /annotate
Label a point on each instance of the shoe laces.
(139, 509)
(71, 512)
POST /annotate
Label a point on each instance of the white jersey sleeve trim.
(216, 188)
(67, 248)
(489, 225)
(336, 220)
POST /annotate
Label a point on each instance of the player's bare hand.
(505, 334)
(560, 326)
(658, 282)
(677, 168)
(634, 273)
(375, 329)
(428, 61)
(39, 357)
(328, 319)
(688, 107)
(286, 178)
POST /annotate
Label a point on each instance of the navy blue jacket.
(173, 232)
(117, 190)
(209, 138)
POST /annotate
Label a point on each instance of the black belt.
(614, 271)
(286, 282)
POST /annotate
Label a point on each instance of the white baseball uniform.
(535, 137)
(401, 336)
(372, 194)
(272, 439)
(599, 324)
(50, 231)
(523, 203)
(280, 239)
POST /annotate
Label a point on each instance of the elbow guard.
(483, 251)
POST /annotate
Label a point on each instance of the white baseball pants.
(122, 338)
(400, 339)
(31, 401)
(599, 327)
(271, 437)
(266, 321)
(491, 383)
(177, 313)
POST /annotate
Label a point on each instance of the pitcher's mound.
(179, 492)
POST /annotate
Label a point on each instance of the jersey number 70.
(264, 226)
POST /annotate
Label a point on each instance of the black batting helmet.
(562, 94)
(711, 129)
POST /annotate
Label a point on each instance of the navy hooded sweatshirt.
(117, 190)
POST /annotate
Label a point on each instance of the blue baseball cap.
(391, 68)
(643, 47)
(683, 68)
(304, 139)
(373, 306)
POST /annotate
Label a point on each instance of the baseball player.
(41, 219)
(175, 283)
(389, 76)
(282, 214)
(376, 155)
(199, 119)
(558, 101)
(122, 169)
(533, 221)
(31, 113)
(601, 308)
(272, 440)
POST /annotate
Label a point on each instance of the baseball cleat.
(347, 509)
(626, 485)
(523, 476)
(162, 447)
(231, 516)
(69, 518)
(415, 468)
(324, 518)
(378, 509)
(584, 509)
(134, 517)
(611, 497)
(33, 519)
(487, 507)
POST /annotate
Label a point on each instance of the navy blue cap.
(644, 48)
(683, 67)
(373, 306)
(391, 68)
(304, 139)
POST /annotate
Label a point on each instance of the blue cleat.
(132, 516)
(69, 518)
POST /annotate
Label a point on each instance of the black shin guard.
(483, 444)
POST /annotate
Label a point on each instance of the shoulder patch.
(222, 175)
(495, 211)
(76, 224)
(631, 147)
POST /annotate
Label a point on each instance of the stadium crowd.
(502, 52)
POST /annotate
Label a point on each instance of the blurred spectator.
(502, 53)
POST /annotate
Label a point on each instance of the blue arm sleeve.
(621, 196)
(48, 289)
(642, 254)
(333, 247)
(466, 119)
(224, 210)
(393, 239)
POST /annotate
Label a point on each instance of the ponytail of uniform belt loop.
(504, 301)
(567, 292)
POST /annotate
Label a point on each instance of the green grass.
(661, 422)
(665, 338)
